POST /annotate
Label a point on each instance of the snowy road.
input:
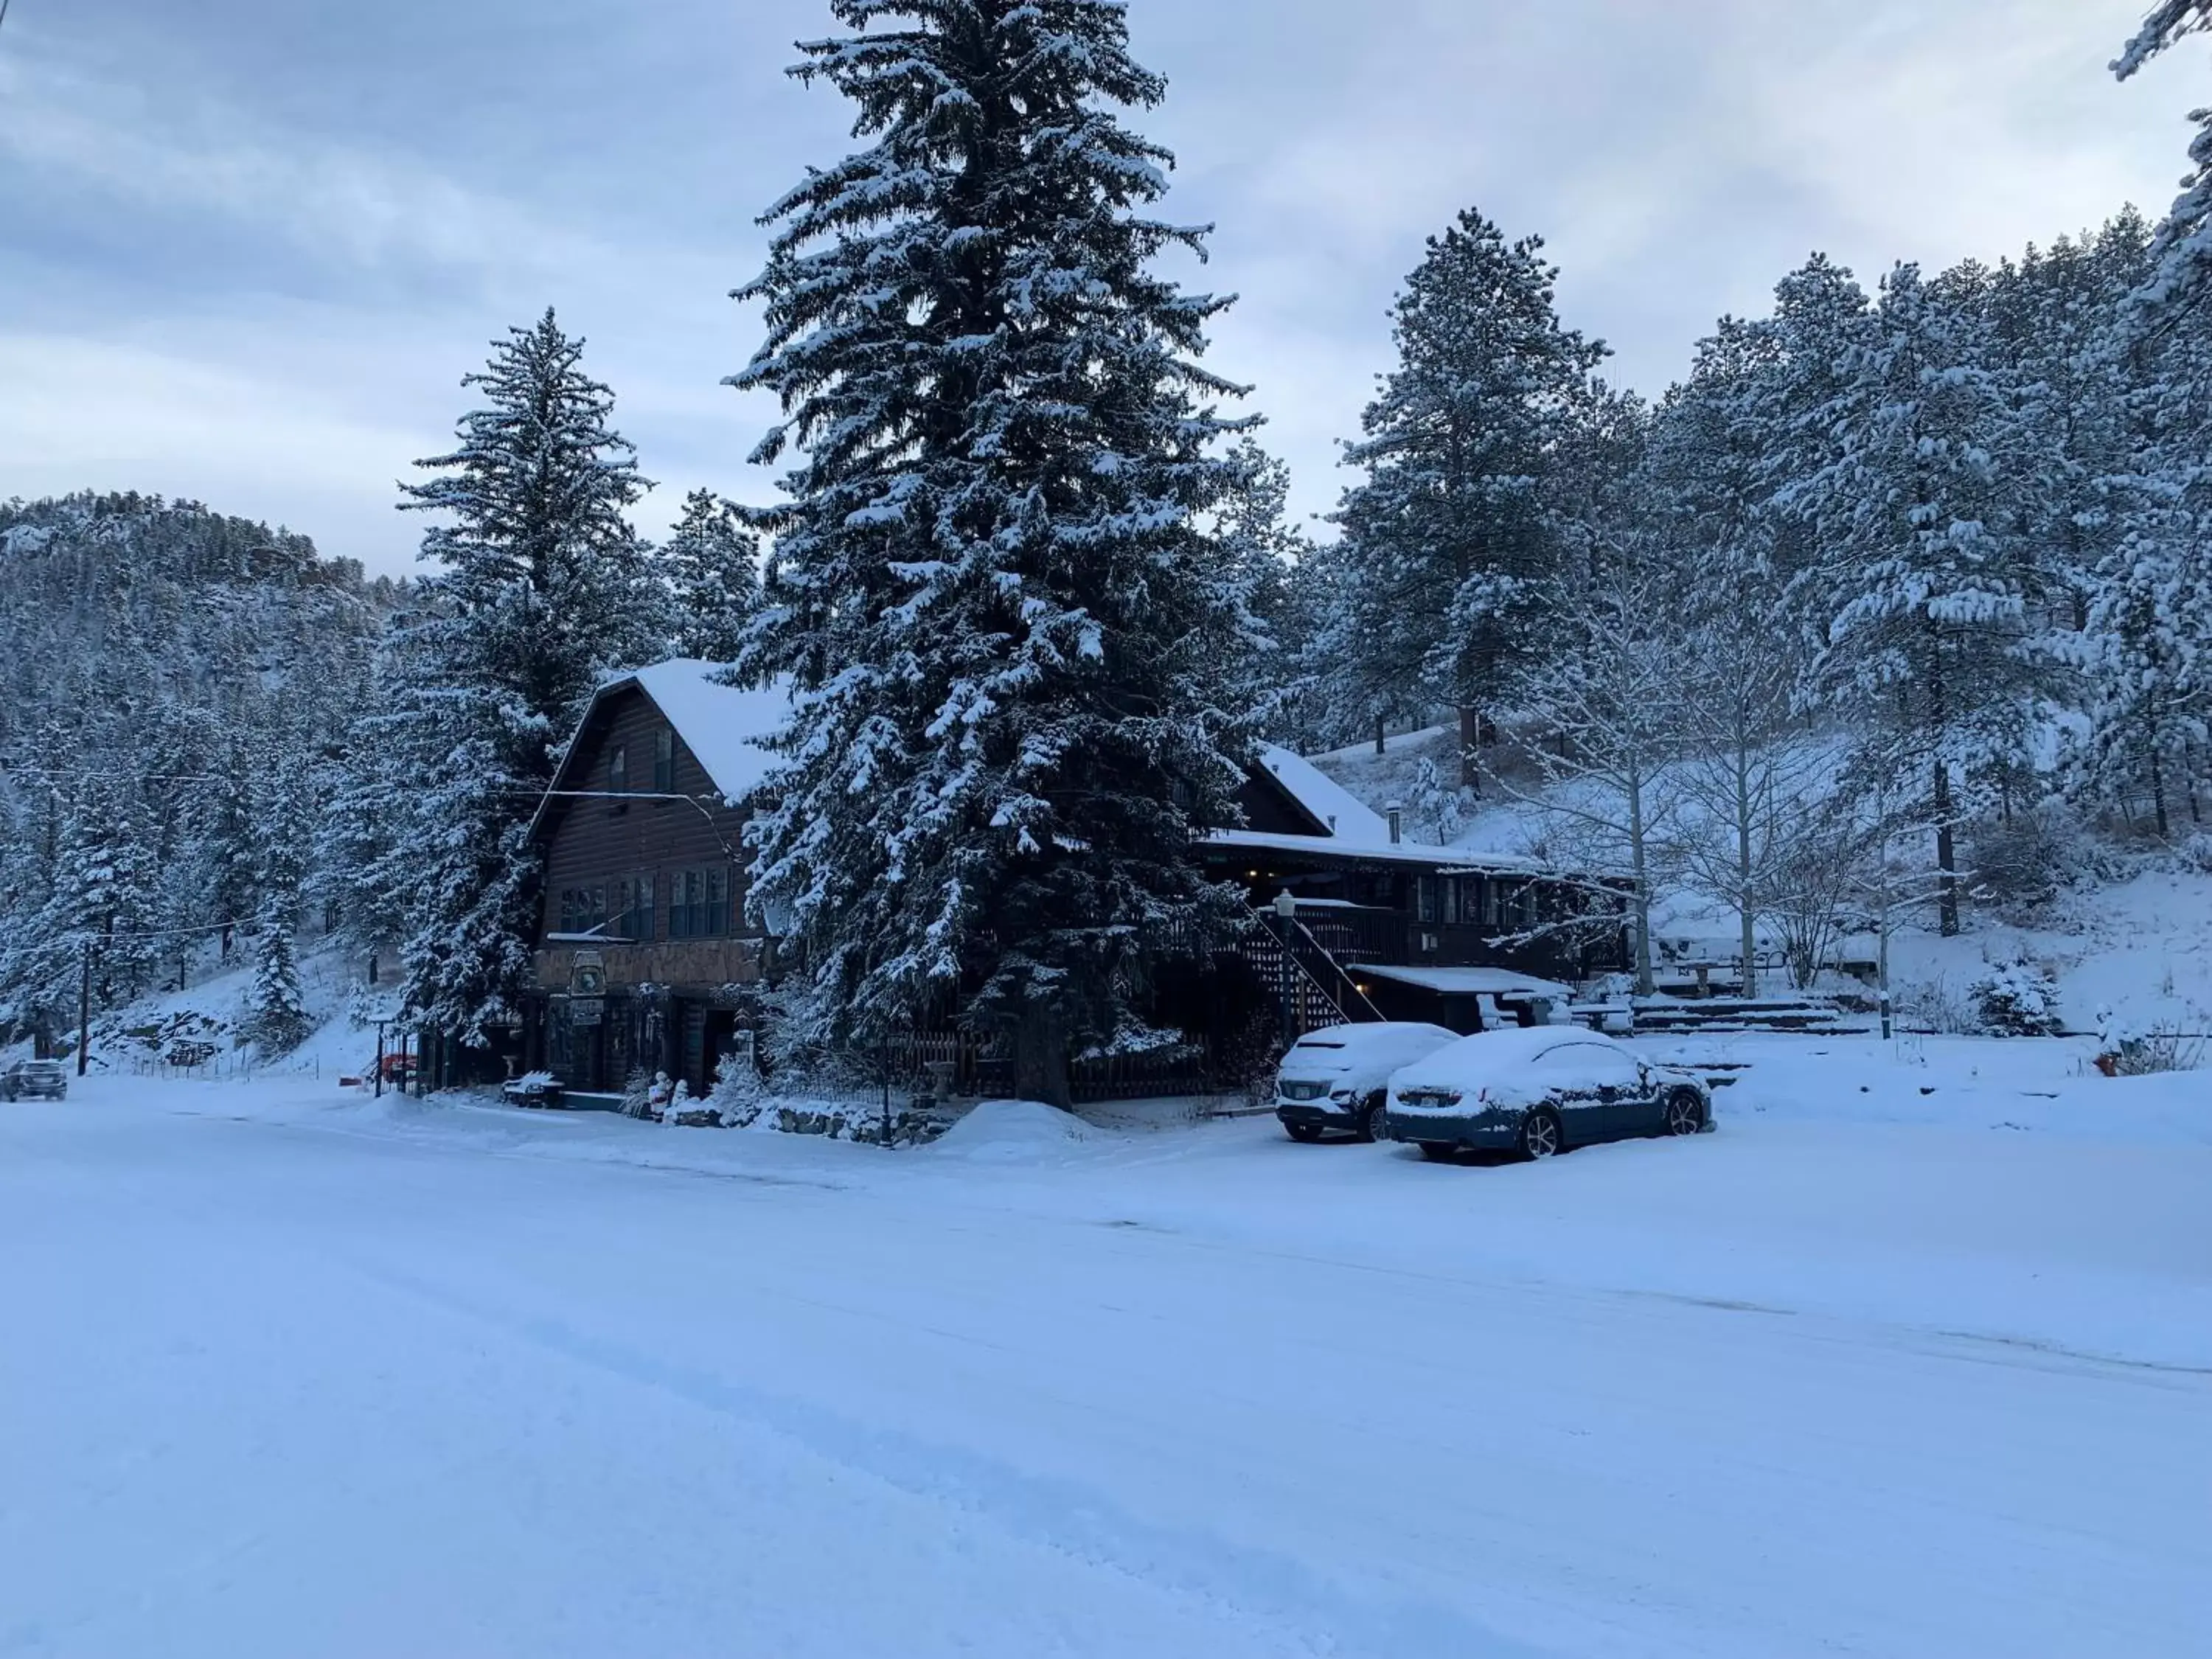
(310, 1381)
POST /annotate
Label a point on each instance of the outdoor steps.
(1735, 1016)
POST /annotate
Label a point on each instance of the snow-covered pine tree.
(1450, 538)
(1929, 590)
(2181, 255)
(712, 564)
(540, 589)
(276, 1010)
(1262, 546)
(990, 585)
(2145, 650)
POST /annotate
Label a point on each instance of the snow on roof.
(1347, 817)
(1405, 851)
(1462, 981)
(724, 726)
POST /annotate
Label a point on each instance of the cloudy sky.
(251, 245)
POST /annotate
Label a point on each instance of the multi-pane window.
(618, 769)
(583, 909)
(664, 761)
(1429, 898)
(1490, 891)
(634, 910)
(699, 902)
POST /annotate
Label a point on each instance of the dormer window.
(664, 761)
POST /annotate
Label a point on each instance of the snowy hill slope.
(199, 1027)
(2136, 941)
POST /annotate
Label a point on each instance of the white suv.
(1335, 1079)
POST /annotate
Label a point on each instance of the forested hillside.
(177, 683)
(1894, 589)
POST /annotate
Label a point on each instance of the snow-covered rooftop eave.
(1425, 853)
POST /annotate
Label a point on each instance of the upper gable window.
(618, 769)
(664, 761)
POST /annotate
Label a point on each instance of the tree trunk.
(1040, 1057)
(1946, 854)
(2157, 793)
(1381, 745)
(1470, 741)
(1746, 899)
(1639, 854)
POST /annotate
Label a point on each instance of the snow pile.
(1015, 1132)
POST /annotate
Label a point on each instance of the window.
(618, 769)
(1491, 889)
(664, 761)
(634, 911)
(699, 902)
(583, 909)
(1429, 899)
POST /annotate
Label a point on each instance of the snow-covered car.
(1335, 1080)
(1540, 1091)
(35, 1079)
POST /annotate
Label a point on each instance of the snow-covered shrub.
(2196, 853)
(2126, 1048)
(738, 1097)
(1930, 1005)
(2018, 999)
(638, 1098)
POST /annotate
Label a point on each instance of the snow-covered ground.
(1871, 1370)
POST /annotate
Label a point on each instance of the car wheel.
(1540, 1134)
(1686, 1112)
(1304, 1133)
(1371, 1126)
(1439, 1151)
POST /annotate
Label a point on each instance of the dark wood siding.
(598, 844)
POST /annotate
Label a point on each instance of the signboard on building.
(587, 1011)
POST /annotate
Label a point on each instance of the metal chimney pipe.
(1397, 817)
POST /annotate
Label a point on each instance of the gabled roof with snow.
(1329, 802)
(725, 728)
(1347, 826)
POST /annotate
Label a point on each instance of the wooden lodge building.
(645, 960)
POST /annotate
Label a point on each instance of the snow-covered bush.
(2018, 999)
(737, 1098)
(2196, 853)
(2126, 1048)
(1930, 1005)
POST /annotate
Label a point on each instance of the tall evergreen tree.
(541, 588)
(1929, 595)
(1455, 530)
(713, 563)
(990, 584)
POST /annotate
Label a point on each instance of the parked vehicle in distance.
(1537, 1091)
(35, 1079)
(1336, 1079)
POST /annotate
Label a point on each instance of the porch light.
(1286, 906)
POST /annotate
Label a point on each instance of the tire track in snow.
(1076, 1519)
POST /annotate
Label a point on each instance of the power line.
(3, 12)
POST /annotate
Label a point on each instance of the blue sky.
(252, 246)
